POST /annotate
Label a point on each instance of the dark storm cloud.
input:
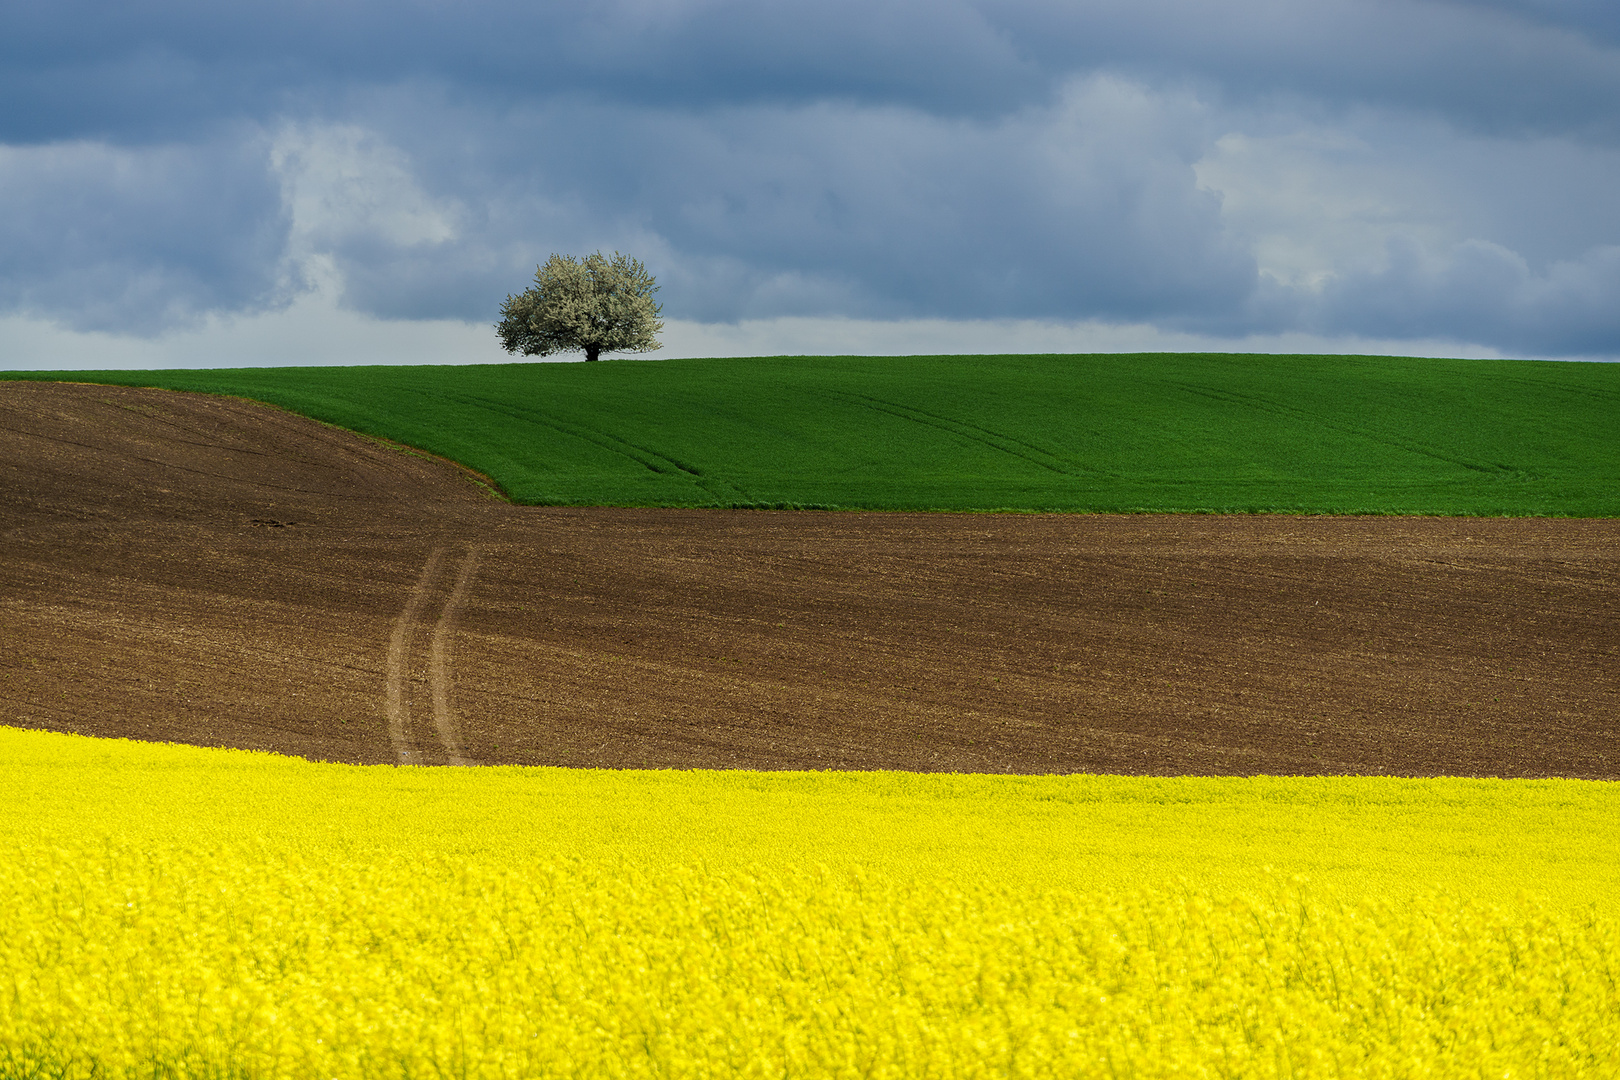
(114, 68)
(870, 158)
(1569, 309)
(1492, 67)
(138, 242)
(1090, 206)
(110, 69)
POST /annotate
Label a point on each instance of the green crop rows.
(1099, 433)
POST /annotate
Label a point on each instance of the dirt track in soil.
(216, 572)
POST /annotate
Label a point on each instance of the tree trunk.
(592, 352)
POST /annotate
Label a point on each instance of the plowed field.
(216, 572)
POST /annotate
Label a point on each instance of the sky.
(186, 183)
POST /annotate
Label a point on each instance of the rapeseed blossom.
(322, 921)
(123, 962)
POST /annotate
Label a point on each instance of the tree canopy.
(595, 305)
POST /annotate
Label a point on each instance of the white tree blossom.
(595, 304)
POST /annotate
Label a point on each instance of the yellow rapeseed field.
(173, 912)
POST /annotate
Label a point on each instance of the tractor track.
(205, 570)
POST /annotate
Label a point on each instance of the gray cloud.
(1382, 168)
(1090, 206)
(139, 240)
(99, 68)
(1484, 292)
(1497, 68)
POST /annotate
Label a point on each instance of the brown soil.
(213, 571)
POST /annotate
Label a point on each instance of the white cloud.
(341, 183)
(1312, 202)
(353, 202)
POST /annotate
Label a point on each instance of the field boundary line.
(395, 703)
(439, 653)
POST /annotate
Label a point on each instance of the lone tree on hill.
(593, 304)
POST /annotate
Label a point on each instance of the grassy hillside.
(1173, 432)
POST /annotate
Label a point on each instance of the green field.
(1102, 433)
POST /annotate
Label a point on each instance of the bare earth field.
(211, 571)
